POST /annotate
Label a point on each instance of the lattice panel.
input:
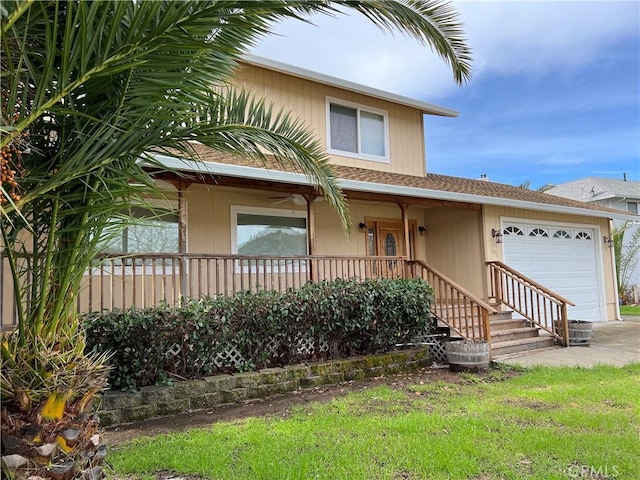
(229, 357)
(437, 351)
(271, 346)
(306, 346)
(424, 337)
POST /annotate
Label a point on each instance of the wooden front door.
(390, 241)
(390, 244)
(385, 238)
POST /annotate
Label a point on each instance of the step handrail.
(538, 304)
(452, 299)
(533, 283)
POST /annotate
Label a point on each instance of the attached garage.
(563, 258)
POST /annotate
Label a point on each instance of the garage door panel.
(565, 265)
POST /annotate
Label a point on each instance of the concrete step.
(507, 356)
(521, 345)
(507, 335)
(507, 324)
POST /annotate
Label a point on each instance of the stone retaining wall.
(225, 390)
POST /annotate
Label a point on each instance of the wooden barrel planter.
(467, 356)
(580, 333)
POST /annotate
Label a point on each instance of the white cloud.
(506, 37)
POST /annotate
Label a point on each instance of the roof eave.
(303, 73)
(358, 185)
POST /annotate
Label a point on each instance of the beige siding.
(492, 217)
(307, 100)
(453, 246)
(209, 220)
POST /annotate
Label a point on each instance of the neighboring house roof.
(594, 189)
(431, 186)
(294, 71)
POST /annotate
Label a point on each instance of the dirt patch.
(281, 405)
(531, 404)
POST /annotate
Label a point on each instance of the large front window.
(269, 232)
(357, 131)
(146, 232)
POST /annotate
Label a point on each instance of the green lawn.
(545, 423)
(629, 309)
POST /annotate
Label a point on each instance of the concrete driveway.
(612, 343)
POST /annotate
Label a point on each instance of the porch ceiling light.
(363, 227)
(608, 241)
(497, 235)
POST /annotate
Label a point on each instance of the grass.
(544, 424)
(629, 309)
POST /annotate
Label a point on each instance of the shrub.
(251, 330)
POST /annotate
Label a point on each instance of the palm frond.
(90, 88)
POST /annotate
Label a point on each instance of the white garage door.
(561, 258)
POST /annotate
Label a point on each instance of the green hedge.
(333, 319)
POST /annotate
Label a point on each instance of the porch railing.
(539, 305)
(455, 306)
(147, 279)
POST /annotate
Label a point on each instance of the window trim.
(359, 107)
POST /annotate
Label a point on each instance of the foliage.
(91, 89)
(149, 346)
(626, 248)
(631, 310)
(526, 185)
(90, 92)
(547, 423)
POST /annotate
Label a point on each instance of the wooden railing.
(143, 280)
(455, 306)
(539, 305)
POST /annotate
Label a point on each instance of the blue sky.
(555, 94)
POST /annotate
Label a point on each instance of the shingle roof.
(431, 181)
(592, 189)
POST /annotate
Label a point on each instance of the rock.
(95, 440)
(45, 452)
(71, 436)
(64, 471)
(95, 473)
(11, 444)
(101, 452)
(68, 439)
(13, 462)
(30, 432)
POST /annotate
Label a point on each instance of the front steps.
(510, 336)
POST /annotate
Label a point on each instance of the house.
(486, 248)
(608, 192)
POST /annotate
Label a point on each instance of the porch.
(143, 280)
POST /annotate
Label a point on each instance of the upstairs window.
(632, 207)
(357, 131)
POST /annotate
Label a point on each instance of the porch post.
(405, 226)
(182, 238)
(311, 233)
